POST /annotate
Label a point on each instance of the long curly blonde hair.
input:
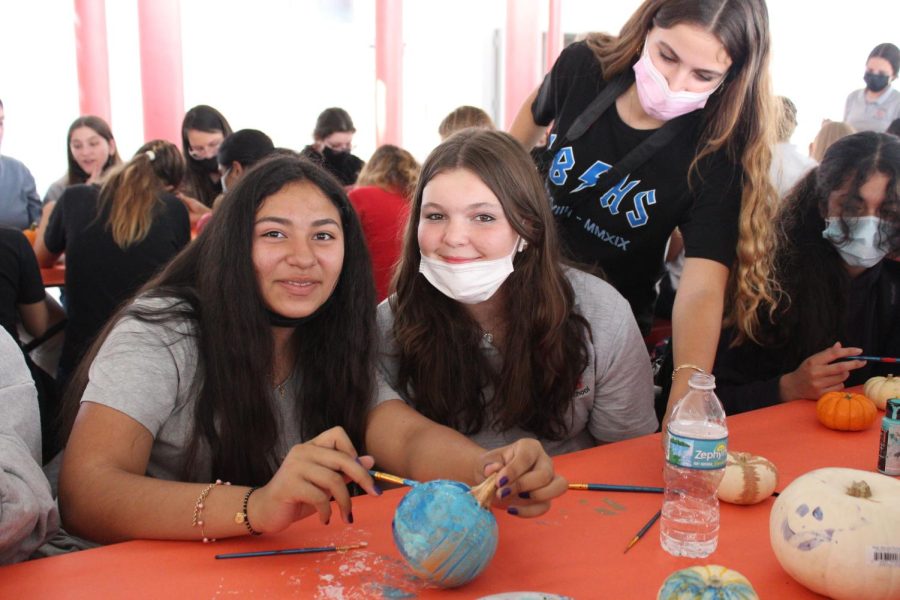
(739, 119)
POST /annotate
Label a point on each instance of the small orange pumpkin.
(846, 411)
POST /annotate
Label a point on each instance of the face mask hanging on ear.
(657, 99)
(470, 283)
(863, 245)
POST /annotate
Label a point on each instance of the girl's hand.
(819, 374)
(526, 481)
(311, 475)
(95, 175)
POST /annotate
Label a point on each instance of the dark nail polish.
(524, 495)
(513, 511)
(359, 462)
(350, 517)
(503, 481)
(505, 492)
(377, 489)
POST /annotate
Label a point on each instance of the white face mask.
(863, 248)
(469, 283)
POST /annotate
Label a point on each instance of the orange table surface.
(576, 549)
(54, 276)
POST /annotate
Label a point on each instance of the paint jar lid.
(892, 410)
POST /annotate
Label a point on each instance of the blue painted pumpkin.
(706, 582)
(443, 534)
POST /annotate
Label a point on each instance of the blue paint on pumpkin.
(443, 534)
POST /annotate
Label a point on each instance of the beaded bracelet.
(197, 520)
(242, 517)
(688, 366)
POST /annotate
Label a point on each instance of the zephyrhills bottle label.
(693, 453)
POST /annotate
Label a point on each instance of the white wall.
(274, 64)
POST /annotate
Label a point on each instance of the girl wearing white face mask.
(841, 229)
(667, 125)
(487, 332)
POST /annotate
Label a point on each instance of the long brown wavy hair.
(739, 118)
(131, 195)
(545, 349)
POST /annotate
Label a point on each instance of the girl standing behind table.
(115, 238)
(669, 124)
(875, 106)
(841, 228)
(488, 333)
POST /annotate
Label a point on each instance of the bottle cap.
(892, 410)
(702, 381)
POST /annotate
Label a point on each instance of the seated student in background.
(829, 133)
(280, 414)
(488, 332)
(463, 118)
(203, 130)
(333, 144)
(841, 289)
(92, 152)
(240, 151)
(23, 300)
(28, 513)
(115, 239)
(20, 205)
(789, 165)
(381, 200)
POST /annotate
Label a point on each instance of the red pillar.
(161, 72)
(93, 58)
(522, 55)
(389, 72)
(554, 34)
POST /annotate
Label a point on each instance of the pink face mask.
(657, 99)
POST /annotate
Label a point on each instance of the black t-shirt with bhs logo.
(622, 224)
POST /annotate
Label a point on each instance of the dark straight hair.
(209, 120)
(214, 285)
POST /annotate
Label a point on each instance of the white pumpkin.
(837, 532)
(881, 389)
(748, 479)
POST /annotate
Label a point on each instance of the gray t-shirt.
(149, 372)
(614, 398)
(863, 115)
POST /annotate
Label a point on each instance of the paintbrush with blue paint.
(313, 550)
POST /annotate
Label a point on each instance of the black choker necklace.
(277, 320)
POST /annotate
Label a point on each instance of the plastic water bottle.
(696, 452)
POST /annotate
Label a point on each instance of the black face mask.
(210, 165)
(875, 81)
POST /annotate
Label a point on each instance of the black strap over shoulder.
(639, 154)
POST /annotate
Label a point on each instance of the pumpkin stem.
(859, 489)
